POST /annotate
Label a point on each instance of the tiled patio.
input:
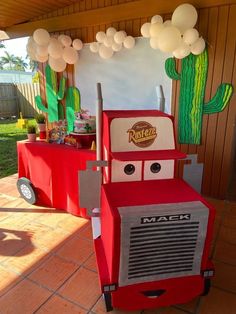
(47, 263)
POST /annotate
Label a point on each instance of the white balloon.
(116, 47)
(41, 36)
(70, 55)
(105, 52)
(182, 51)
(32, 55)
(58, 65)
(198, 46)
(31, 45)
(167, 23)
(119, 37)
(100, 36)
(55, 48)
(66, 41)
(169, 39)
(108, 41)
(110, 31)
(156, 29)
(156, 19)
(154, 43)
(184, 17)
(77, 44)
(145, 30)
(42, 50)
(42, 58)
(190, 36)
(94, 47)
(129, 42)
(60, 37)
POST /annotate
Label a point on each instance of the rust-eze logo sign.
(142, 134)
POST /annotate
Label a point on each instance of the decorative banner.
(193, 78)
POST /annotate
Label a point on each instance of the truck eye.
(155, 167)
(129, 169)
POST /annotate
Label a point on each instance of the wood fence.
(16, 98)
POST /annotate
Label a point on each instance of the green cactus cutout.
(72, 106)
(193, 78)
(54, 108)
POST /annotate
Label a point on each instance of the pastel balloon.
(42, 50)
(108, 41)
(94, 47)
(182, 51)
(58, 65)
(116, 47)
(198, 46)
(155, 29)
(55, 48)
(42, 58)
(41, 36)
(119, 37)
(154, 43)
(190, 36)
(156, 19)
(145, 30)
(100, 36)
(169, 39)
(105, 52)
(110, 31)
(184, 17)
(70, 55)
(129, 42)
(77, 44)
(66, 41)
(167, 23)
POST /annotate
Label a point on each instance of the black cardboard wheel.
(26, 190)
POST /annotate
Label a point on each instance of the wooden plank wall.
(26, 93)
(8, 100)
(217, 24)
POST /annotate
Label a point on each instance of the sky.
(17, 47)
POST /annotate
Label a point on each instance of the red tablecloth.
(53, 171)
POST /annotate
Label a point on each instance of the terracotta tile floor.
(47, 263)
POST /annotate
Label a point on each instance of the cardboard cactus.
(72, 106)
(193, 78)
(54, 107)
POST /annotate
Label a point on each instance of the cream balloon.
(55, 48)
(70, 55)
(167, 23)
(154, 43)
(66, 41)
(182, 51)
(110, 31)
(100, 36)
(42, 50)
(108, 41)
(58, 65)
(60, 37)
(156, 19)
(156, 29)
(77, 44)
(42, 59)
(94, 47)
(145, 30)
(169, 39)
(105, 52)
(190, 36)
(119, 37)
(41, 36)
(198, 46)
(184, 17)
(129, 42)
(116, 47)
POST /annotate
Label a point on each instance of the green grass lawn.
(9, 135)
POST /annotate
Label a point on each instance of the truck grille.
(155, 247)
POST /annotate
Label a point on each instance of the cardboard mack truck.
(152, 231)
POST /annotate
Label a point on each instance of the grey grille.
(161, 250)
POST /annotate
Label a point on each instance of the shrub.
(40, 118)
(31, 129)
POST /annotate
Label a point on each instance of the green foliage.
(31, 129)
(40, 118)
(12, 62)
(9, 135)
(193, 78)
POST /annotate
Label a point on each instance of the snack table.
(53, 171)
